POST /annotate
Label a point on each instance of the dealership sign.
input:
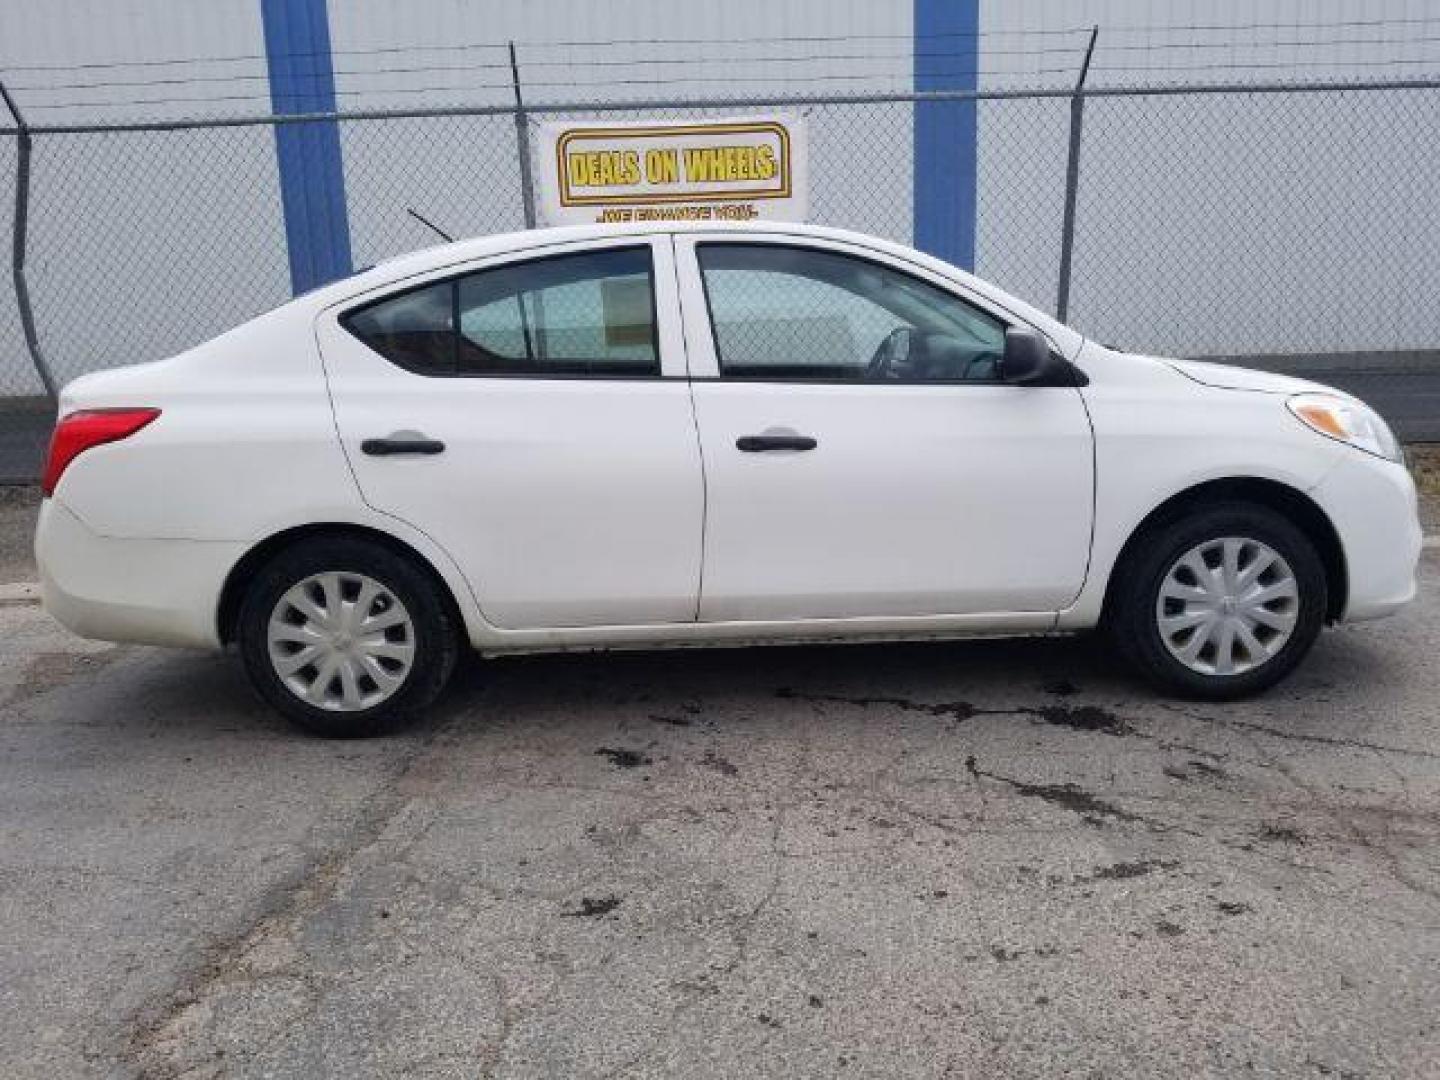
(739, 169)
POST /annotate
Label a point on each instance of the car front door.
(531, 415)
(862, 456)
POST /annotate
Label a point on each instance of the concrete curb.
(21, 592)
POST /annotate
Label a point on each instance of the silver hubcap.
(341, 641)
(1227, 606)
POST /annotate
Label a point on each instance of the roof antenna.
(430, 225)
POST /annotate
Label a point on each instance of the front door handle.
(759, 444)
(402, 442)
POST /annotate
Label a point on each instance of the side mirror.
(1028, 360)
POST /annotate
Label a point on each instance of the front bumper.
(149, 592)
(1373, 506)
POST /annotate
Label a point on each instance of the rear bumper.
(150, 592)
(1372, 504)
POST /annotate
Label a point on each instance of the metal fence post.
(522, 144)
(18, 241)
(1072, 182)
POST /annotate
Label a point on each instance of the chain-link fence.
(1260, 223)
(1232, 221)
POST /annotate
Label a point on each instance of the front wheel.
(346, 637)
(1220, 604)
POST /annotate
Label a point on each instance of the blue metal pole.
(312, 177)
(947, 58)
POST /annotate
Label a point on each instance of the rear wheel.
(1219, 604)
(345, 637)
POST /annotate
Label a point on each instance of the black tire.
(436, 632)
(1133, 627)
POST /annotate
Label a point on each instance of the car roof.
(440, 256)
(504, 243)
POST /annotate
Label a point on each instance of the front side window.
(791, 313)
(591, 313)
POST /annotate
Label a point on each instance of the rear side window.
(574, 315)
(591, 313)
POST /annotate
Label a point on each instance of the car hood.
(1225, 377)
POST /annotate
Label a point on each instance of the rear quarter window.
(415, 329)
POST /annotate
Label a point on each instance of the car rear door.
(834, 491)
(530, 413)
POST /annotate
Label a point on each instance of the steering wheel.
(984, 366)
(891, 354)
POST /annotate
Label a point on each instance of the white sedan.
(605, 438)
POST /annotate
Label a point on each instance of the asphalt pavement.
(986, 859)
(19, 508)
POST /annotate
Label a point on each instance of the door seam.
(694, 423)
(345, 456)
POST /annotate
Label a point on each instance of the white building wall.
(634, 50)
(141, 244)
(1226, 224)
(1222, 224)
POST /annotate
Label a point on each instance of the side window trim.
(698, 243)
(646, 243)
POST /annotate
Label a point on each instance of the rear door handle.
(759, 444)
(402, 442)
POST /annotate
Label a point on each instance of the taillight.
(79, 431)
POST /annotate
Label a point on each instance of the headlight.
(1348, 421)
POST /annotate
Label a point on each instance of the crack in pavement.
(1359, 835)
(959, 711)
(1077, 717)
(154, 1038)
(1298, 736)
(740, 932)
(49, 671)
(1090, 808)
